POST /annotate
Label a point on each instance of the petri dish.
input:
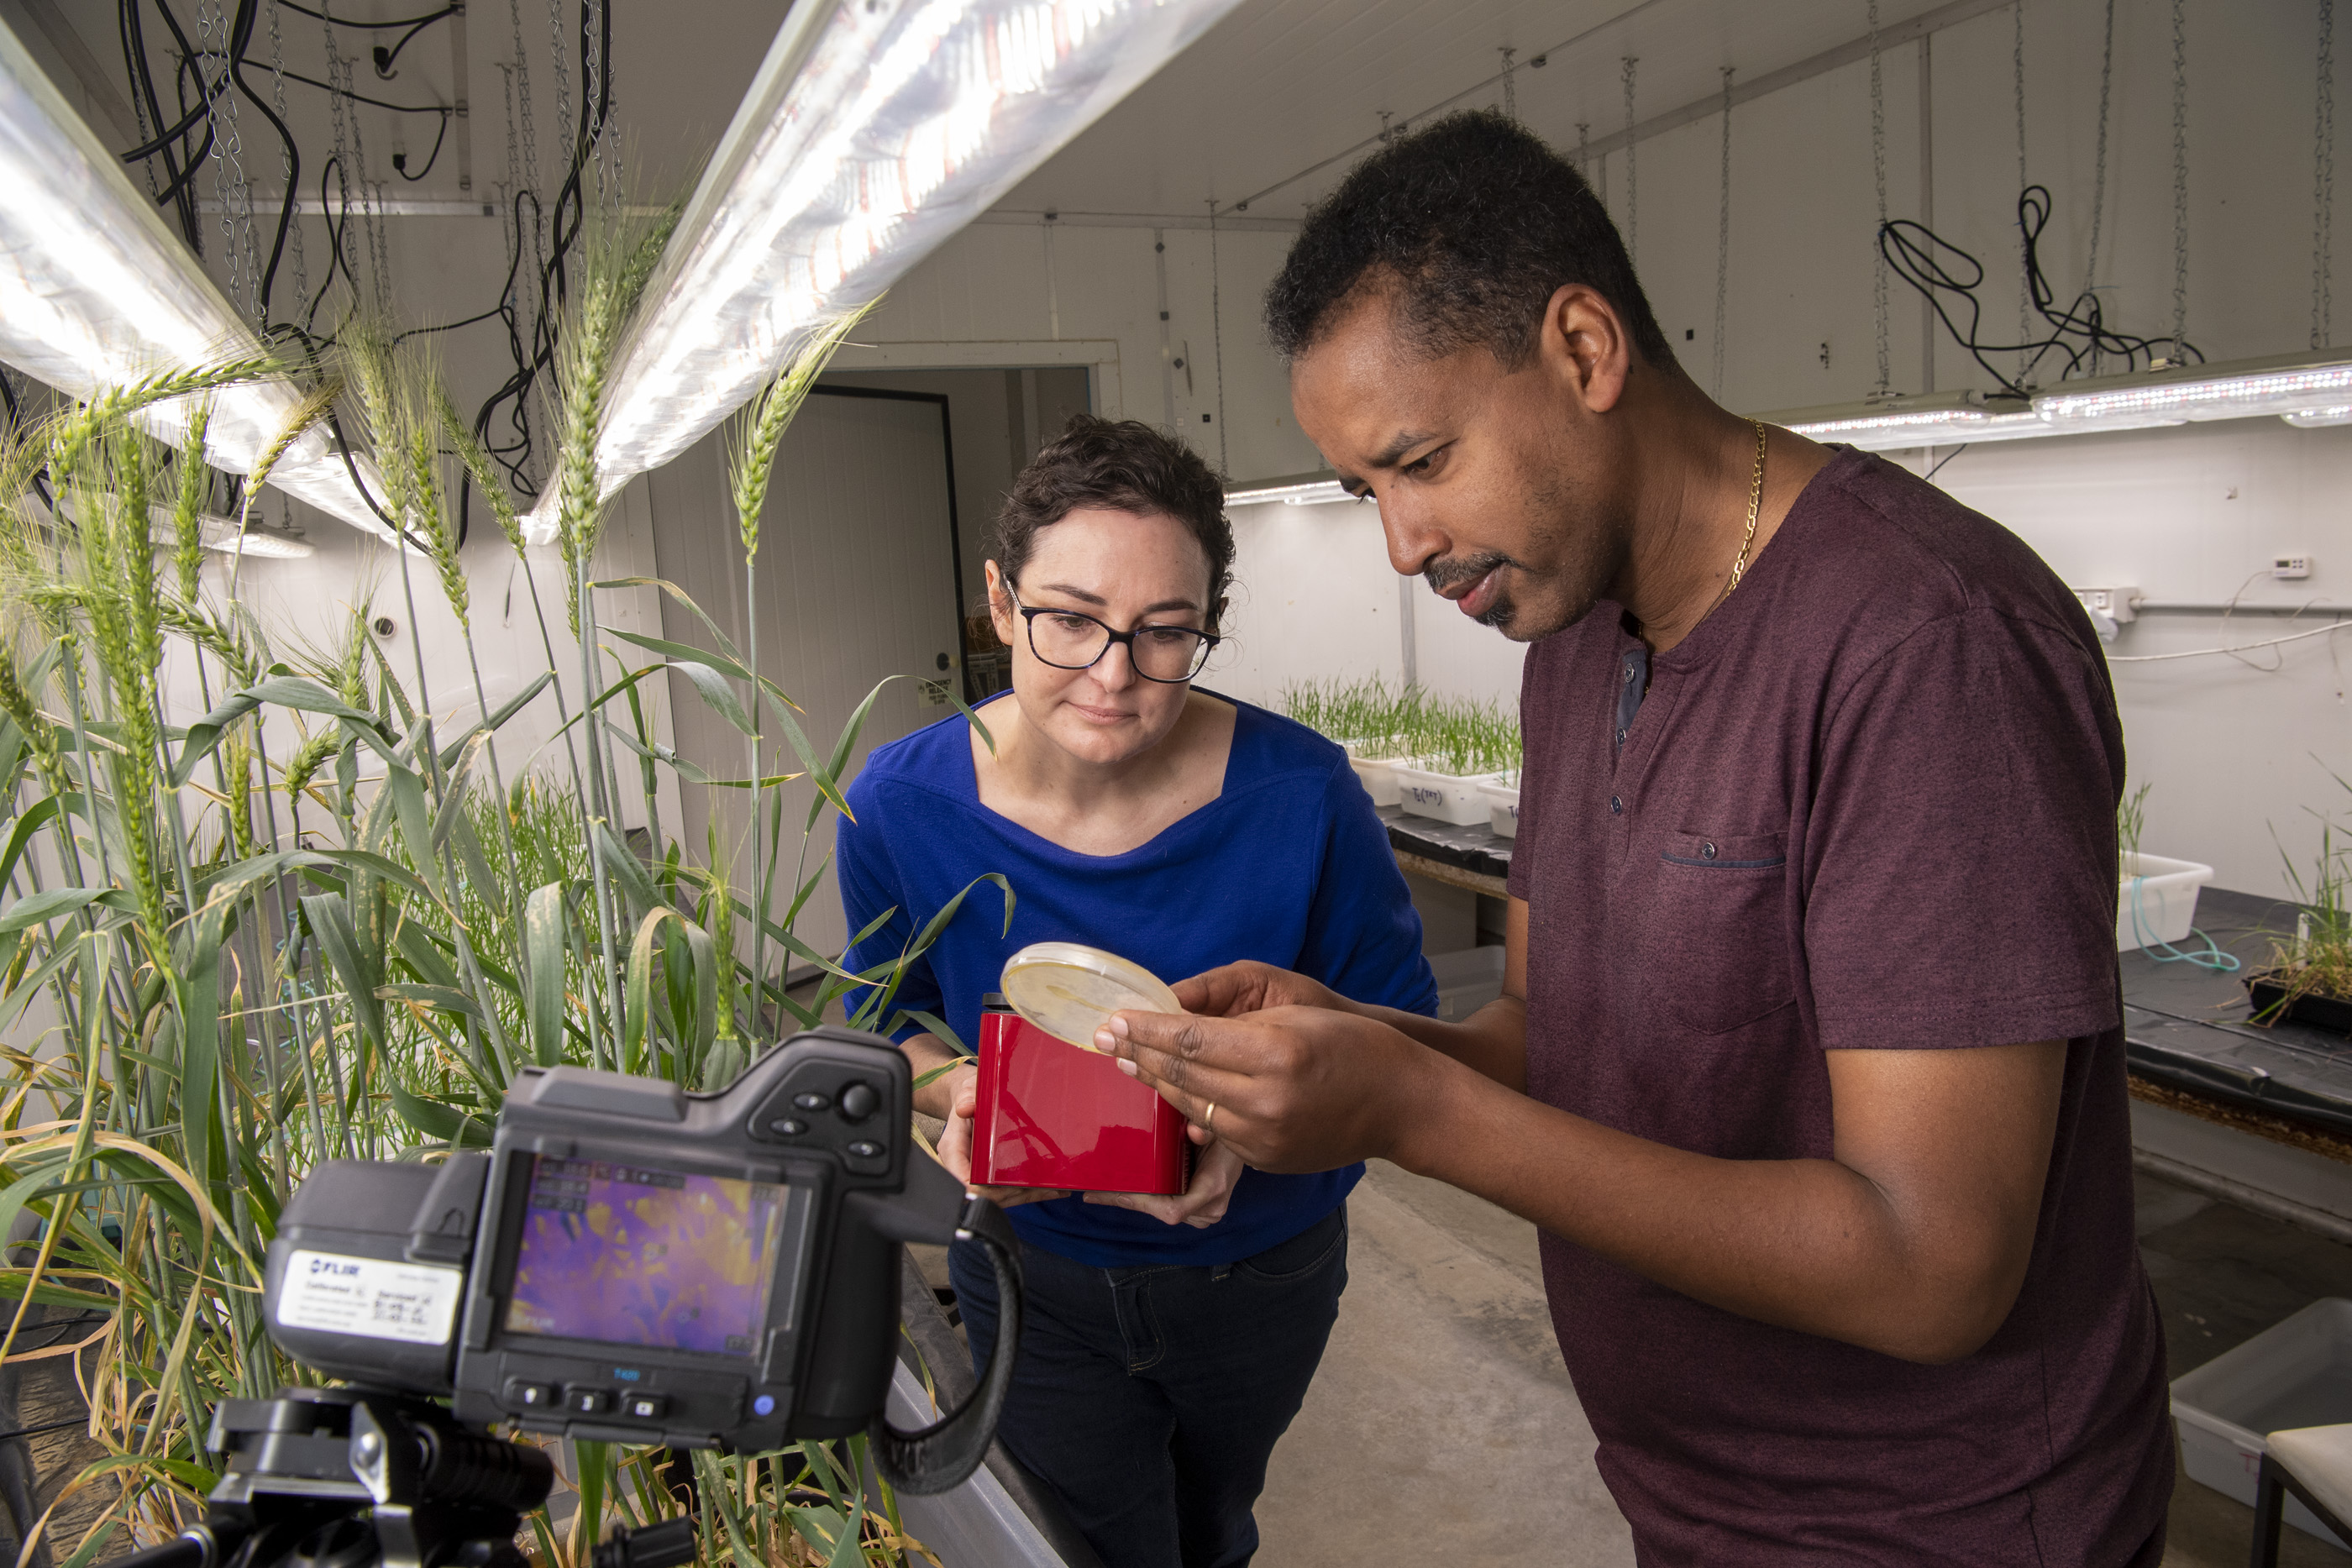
(1070, 990)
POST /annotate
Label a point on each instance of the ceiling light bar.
(1936, 419)
(2242, 390)
(1317, 489)
(2317, 418)
(2308, 390)
(96, 292)
(871, 134)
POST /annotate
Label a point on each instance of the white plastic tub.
(1379, 779)
(2293, 1374)
(1467, 980)
(2157, 901)
(1447, 796)
(1502, 807)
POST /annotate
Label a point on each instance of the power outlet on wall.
(2117, 604)
(2290, 567)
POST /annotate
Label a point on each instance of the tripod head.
(357, 1478)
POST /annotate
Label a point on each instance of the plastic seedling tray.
(1503, 807)
(1447, 796)
(2156, 900)
(1378, 777)
(2293, 1374)
(2266, 989)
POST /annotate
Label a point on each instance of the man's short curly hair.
(1127, 467)
(1479, 223)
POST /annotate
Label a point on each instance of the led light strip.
(1290, 493)
(871, 134)
(2234, 396)
(96, 292)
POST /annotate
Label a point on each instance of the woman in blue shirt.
(1170, 1339)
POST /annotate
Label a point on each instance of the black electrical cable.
(372, 26)
(240, 40)
(384, 57)
(400, 160)
(570, 218)
(441, 109)
(142, 84)
(2077, 334)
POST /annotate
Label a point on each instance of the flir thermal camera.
(632, 1263)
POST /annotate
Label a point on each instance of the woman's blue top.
(1288, 865)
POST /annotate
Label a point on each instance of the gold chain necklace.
(1755, 503)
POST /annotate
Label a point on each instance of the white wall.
(2235, 753)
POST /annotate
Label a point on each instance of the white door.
(855, 576)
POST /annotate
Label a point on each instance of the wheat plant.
(313, 924)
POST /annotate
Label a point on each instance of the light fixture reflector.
(871, 134)
(96, 292)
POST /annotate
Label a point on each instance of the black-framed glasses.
(1069, 639)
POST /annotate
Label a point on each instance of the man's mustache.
(1444, 574)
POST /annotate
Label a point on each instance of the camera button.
(788, 1127)
(645, 1407)
(865, 1149)
(588, 1401)
(859, 1102)
(812, 1100)
(525, 1395)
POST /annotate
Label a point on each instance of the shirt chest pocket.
(1716, 952)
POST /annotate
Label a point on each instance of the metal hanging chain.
(2180, 176)
(230, 188)
(286, 151)
(339, 227)
(1878, 176)
(1583, 160)
(2323, 178)
(528, 324)
(1510, 90)
(2099, 174)
(2024, 260)
(1633, 210)
(371, 205)
(1217, 340)
(563, 84)
(1723, 238)
(597, 85)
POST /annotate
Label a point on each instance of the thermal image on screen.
(632, 1256)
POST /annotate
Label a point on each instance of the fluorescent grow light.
(871, 133)
(2316, 418)
(2289, 385)
(95, 291)
(1318, 489)
(1937, 419)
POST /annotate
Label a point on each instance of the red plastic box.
(1052, 1115)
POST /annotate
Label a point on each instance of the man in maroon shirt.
(1810, 1062)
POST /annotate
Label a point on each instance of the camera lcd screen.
(632, 1256)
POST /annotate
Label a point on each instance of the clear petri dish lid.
(1070, 990)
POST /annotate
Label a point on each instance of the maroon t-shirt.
(1868, 803)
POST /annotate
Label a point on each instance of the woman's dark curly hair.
(1127, 467)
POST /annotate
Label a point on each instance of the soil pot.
(2266, 989)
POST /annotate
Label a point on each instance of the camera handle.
(935, 1209)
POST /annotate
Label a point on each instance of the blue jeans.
(1150, 1399)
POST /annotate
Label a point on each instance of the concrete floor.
(1443, 1427)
